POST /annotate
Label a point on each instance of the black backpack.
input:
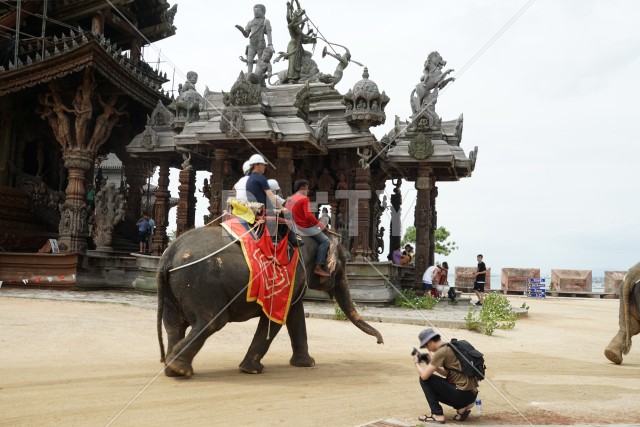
(471, 360)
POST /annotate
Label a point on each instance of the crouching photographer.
(441, 379)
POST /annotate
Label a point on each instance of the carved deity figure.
(343, 62)
(105, 122)
(206, 189)
(365, 155)
(187, 105)
(255, 31)
(61, 126)
(110, 210)
(83, 105)
(433, 79)
(263, 69)
(296, 20)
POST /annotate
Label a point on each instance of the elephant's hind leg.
(262, 339)
(180, 359)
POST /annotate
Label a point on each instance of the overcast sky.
(550, 100)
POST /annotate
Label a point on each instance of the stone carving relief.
(161, 116)
(110, 210)
(187, 104)
(150, 138)
(303, 98)
(243, 92)
(322, 131)
(458, 129)
(44, 200)
(420, 147)
(232, 122)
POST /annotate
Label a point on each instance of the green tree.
(443, 246)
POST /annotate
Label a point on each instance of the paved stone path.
(444, 315)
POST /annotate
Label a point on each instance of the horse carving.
(433, 79)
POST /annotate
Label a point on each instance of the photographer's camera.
(422, 357)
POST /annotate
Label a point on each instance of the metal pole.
(44, 24)
(15, 52)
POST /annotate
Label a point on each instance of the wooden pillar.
(97, 24)
(361, 251)
(161, 218)
(217, 183)
(79, 149)
(433, 225)
(378, 182)
(284, 165)
(136, 50)
(395, 224)
(424, 257)
(187, 202)
(136, 175)
(73, 220)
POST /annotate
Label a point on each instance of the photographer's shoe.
(431, 419)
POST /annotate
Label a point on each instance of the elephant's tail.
(161, 280)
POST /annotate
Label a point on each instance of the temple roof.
(152, 18)
(439, 150)
(75, 52)
(279, 119)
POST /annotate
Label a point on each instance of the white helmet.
(273, 185)
(246, 167)
(256, 159)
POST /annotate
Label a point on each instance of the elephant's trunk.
(343, 298)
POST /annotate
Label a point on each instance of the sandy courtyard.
(93, 364)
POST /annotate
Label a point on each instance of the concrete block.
(515, 279)
(571, 280)
(612, 281)
(464, 277)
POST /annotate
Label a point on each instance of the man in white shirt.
(430, 276)
(240, 187)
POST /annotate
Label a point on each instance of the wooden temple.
(72, 95)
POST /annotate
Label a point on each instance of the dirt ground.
(85, 364)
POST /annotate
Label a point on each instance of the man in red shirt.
(307, 224)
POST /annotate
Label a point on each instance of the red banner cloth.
(271, 272)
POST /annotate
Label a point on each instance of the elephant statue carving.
(208, 294)
(629, 316)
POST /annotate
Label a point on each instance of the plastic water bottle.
(478, 406)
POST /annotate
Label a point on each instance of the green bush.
(496, 313)
(339, 314)
(409, 299)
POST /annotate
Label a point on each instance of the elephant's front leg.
(265, 334)
(297, 328)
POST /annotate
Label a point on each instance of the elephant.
(629, 316)
(208, 294)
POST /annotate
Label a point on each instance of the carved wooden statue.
(110, 210)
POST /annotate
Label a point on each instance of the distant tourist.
(150, 232)
(325, 218)
(408, 251)
(398, 258)
(478, 284)
(143, 229)
(431, 276)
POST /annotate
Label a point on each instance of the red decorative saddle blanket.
(271, 272)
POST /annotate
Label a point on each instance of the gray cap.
(427, 335)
